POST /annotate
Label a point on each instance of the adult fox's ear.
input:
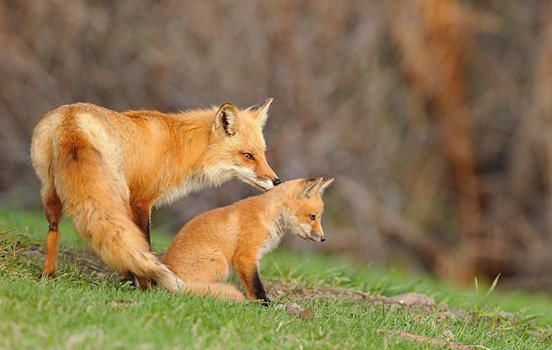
(312, 186)
(225, 119)
(325, 183)
(261, 111)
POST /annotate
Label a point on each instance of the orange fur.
(106, 169)
(238, 235)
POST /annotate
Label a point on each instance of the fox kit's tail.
(92, 195)
(218, 290)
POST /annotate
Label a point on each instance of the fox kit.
(238, 235)
(106, 169)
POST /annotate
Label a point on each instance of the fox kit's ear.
(225, 119)
(325, 183)
(312, 186)
(261, 111)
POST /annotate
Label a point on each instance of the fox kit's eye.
(248, 156)
(312, 217)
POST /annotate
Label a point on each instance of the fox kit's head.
(304, 208)
(238, 147)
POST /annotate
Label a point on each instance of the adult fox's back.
(106, 169)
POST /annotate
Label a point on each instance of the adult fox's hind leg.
(52, 211)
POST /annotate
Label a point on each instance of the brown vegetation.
(433, 116)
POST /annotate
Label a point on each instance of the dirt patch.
(88, 262)
(298, 292)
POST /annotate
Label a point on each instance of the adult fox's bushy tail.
(92, 196)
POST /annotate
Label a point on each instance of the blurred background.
(434, 116)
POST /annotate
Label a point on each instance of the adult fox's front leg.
(141, 215)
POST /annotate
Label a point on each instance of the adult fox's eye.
(248, 156)
(312, 217)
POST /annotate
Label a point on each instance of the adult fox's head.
(304, 207)
(237, 147)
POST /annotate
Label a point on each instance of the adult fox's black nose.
(276, 181)
(322, 239)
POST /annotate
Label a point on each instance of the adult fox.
(106, 169)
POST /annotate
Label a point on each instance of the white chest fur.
(269, 245)
(275, 235)
(195, 182)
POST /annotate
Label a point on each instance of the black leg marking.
(258, 288)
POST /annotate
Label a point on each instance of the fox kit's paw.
(266, 302)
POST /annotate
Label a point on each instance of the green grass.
(79, 309)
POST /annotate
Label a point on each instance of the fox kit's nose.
(322, 239)
(276, 181)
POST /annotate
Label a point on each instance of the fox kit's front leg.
(258, 289)
(247, 267)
